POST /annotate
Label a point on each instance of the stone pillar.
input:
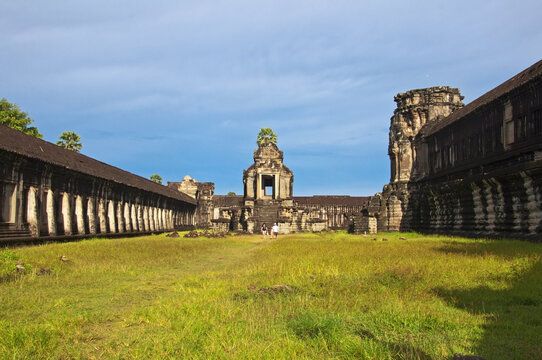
(91, 216)
(276, 187)
(133, 217)
(162, 219)
(50, 211)
(32, 212)
(155, 219)
(159, 223)
(127, 218)
(151, 219)
(102, 218)
(140, 222)
(120, 217)
(79, 215)
(66, 214)
(478, 209)
(111, 215)
(532, 205)
(250, 188)
(146, 222)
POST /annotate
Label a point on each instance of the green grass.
(342, 296)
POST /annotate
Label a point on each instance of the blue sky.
(182, 87)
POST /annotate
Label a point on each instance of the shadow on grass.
(513, 316)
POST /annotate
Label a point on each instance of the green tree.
(12, 116)
(266, 135)
(70, 140)
(231, 193)
(156, 178)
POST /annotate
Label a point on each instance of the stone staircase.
(266, 211)
(8, 231)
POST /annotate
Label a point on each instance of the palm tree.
(156, 178)
(70, 140)
(266, 135)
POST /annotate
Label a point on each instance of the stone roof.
(344, 200)
(228, 200)
(534, 71)
(16, 142)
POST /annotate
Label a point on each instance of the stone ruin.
(473, 170)
(268, 198)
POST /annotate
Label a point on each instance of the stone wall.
(336, 211)
(203, 193)
(476, 171)
(50, 192)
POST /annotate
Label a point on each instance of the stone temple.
(472, 169)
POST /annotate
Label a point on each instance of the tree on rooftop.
(70, 140)
(156, 178)
(13, 117)
(231, 193)
(266, 135)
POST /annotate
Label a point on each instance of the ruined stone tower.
(415, 108)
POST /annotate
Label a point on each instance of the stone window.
(268, 185)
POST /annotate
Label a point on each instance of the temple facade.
(268, 199)
(473, 170)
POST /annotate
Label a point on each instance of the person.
(264, 230)
(275, 230)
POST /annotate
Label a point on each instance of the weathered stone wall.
(480, 170)
(415, 109)
(336, 211)
(474, 172)
(50, 192)
(203, 193)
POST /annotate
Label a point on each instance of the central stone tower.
(267, 187)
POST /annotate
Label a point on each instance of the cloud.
(199, 78)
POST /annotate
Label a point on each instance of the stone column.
(146, 222)
(151, 218)
(157, 224)
(32, 212)
(66, 214)
(111, 215)
(276, 187)
(127, 218)
(140, 221)
(161, 218)
(533, 203)
(120, 217)
(91, 216)
(50, 211)
(102, 218)
(133, 216)
(79, 216)
(154, 218)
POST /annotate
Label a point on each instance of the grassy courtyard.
(312, 296)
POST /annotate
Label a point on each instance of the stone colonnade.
(52, 201)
